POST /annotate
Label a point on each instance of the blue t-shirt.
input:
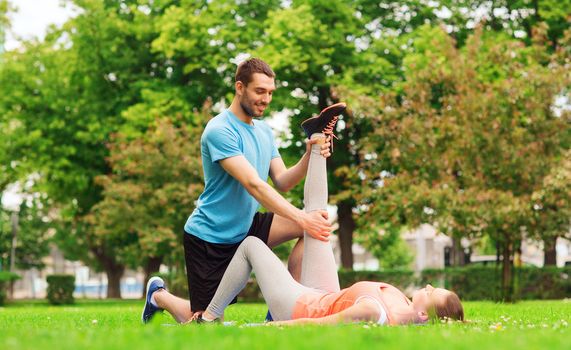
(225, 209)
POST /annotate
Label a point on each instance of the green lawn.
(116, 325)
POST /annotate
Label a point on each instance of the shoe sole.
(151, 280)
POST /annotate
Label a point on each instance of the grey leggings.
(278, 287)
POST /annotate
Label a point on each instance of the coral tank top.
(321, 304)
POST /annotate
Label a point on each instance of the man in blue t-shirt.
(238, 155)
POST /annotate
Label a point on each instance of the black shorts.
(206, 262)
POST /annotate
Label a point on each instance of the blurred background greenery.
(458, 117)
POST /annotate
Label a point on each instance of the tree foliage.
(155, 182)
(444, 125)
(61, 100)
(469, 140)
(551, 207)
(33, 235)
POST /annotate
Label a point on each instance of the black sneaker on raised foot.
(325, 121)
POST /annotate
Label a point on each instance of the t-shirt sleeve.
(275, 152)
(222, 143)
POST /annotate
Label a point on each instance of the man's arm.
(314, 223)
(364, 311)
(285, 179)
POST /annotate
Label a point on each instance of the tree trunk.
(458, 257)
(113, 270)
(507, 272)
(114, 273)
(498, 253)
(346, 228)
(537, 15)
(549, 251)
(152, 266)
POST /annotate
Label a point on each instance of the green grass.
(116, 325)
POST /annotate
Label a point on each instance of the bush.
(470, 282)
(60, 289)
(543, 283)
(5, 279)
(484, 283)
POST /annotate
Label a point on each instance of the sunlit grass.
(116, 325)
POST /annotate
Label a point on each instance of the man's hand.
(316, 225)
(325, 147)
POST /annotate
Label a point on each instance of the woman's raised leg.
(318, 268)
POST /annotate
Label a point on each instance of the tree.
(467, 142)
(516, 18)
(312, 45)
(203, 40)
(62, 99)
(155, 181)
(552, 208)
(5, 239)
(316, 47)
(4, 21)
(33, 235)
(119, 65)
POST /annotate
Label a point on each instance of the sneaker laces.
(328, 130)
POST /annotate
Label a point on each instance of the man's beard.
(249, 112)
(246, 107)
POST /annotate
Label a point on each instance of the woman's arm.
(364, 311)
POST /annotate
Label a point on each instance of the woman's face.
(428, 297)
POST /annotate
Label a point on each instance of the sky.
(33, 17)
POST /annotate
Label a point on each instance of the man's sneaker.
(154, 284)
(201, 320)
(324, 122)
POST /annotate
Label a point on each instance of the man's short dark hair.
(246, 70)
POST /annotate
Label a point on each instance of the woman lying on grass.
(318, 298)
(320, 301)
